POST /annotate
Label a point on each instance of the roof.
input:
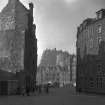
(12, 4)
(89, 21)
(101, 10)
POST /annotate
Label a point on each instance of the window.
(99, 28)
(91, 43)
(99, 82)
(100, 15)
(91, 82)
(99, 66)
(99, 39)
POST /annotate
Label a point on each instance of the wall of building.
(90, 42)
(59, 66)
(18, 43)
(14, 22)
(49, 57)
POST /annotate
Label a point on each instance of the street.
(58, 96)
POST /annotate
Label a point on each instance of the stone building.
(49, 57)
(18, 43)
(91, 54)
(63, 64)
(73, 62)
(57, 66)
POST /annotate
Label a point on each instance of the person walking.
(40, 88)
(27, 90)
(47, 88)
(27, 87)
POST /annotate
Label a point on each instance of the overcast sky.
(57, 21)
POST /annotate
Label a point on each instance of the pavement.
(57, 96)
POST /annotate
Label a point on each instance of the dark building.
(18, 43)
(90, 76)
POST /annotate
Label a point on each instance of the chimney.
(31, 6)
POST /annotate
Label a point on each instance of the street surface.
(58, 96)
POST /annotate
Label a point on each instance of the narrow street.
(59, 96)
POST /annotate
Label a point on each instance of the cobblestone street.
(59, 96)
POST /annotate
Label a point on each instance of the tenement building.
(18, 43)
(58, 67)
(90, 75)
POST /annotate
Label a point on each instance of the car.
(74, 84)
(50, 84)
(56, 84)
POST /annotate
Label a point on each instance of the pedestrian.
(18, 90)
(47, 88)
(40, 88)
(27, 91)
(27, 84)
(23, 91)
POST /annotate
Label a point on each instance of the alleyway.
(59, 96)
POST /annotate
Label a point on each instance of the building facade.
(73, 62)
(18, 43)
(90, 75)
(49, 57)
(57, 66)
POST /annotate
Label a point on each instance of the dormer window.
(100, 13)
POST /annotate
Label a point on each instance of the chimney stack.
(31, 6)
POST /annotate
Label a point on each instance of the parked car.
(56, 84)
(50, 84)
(74, 84)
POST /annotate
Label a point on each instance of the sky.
(57, 21)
